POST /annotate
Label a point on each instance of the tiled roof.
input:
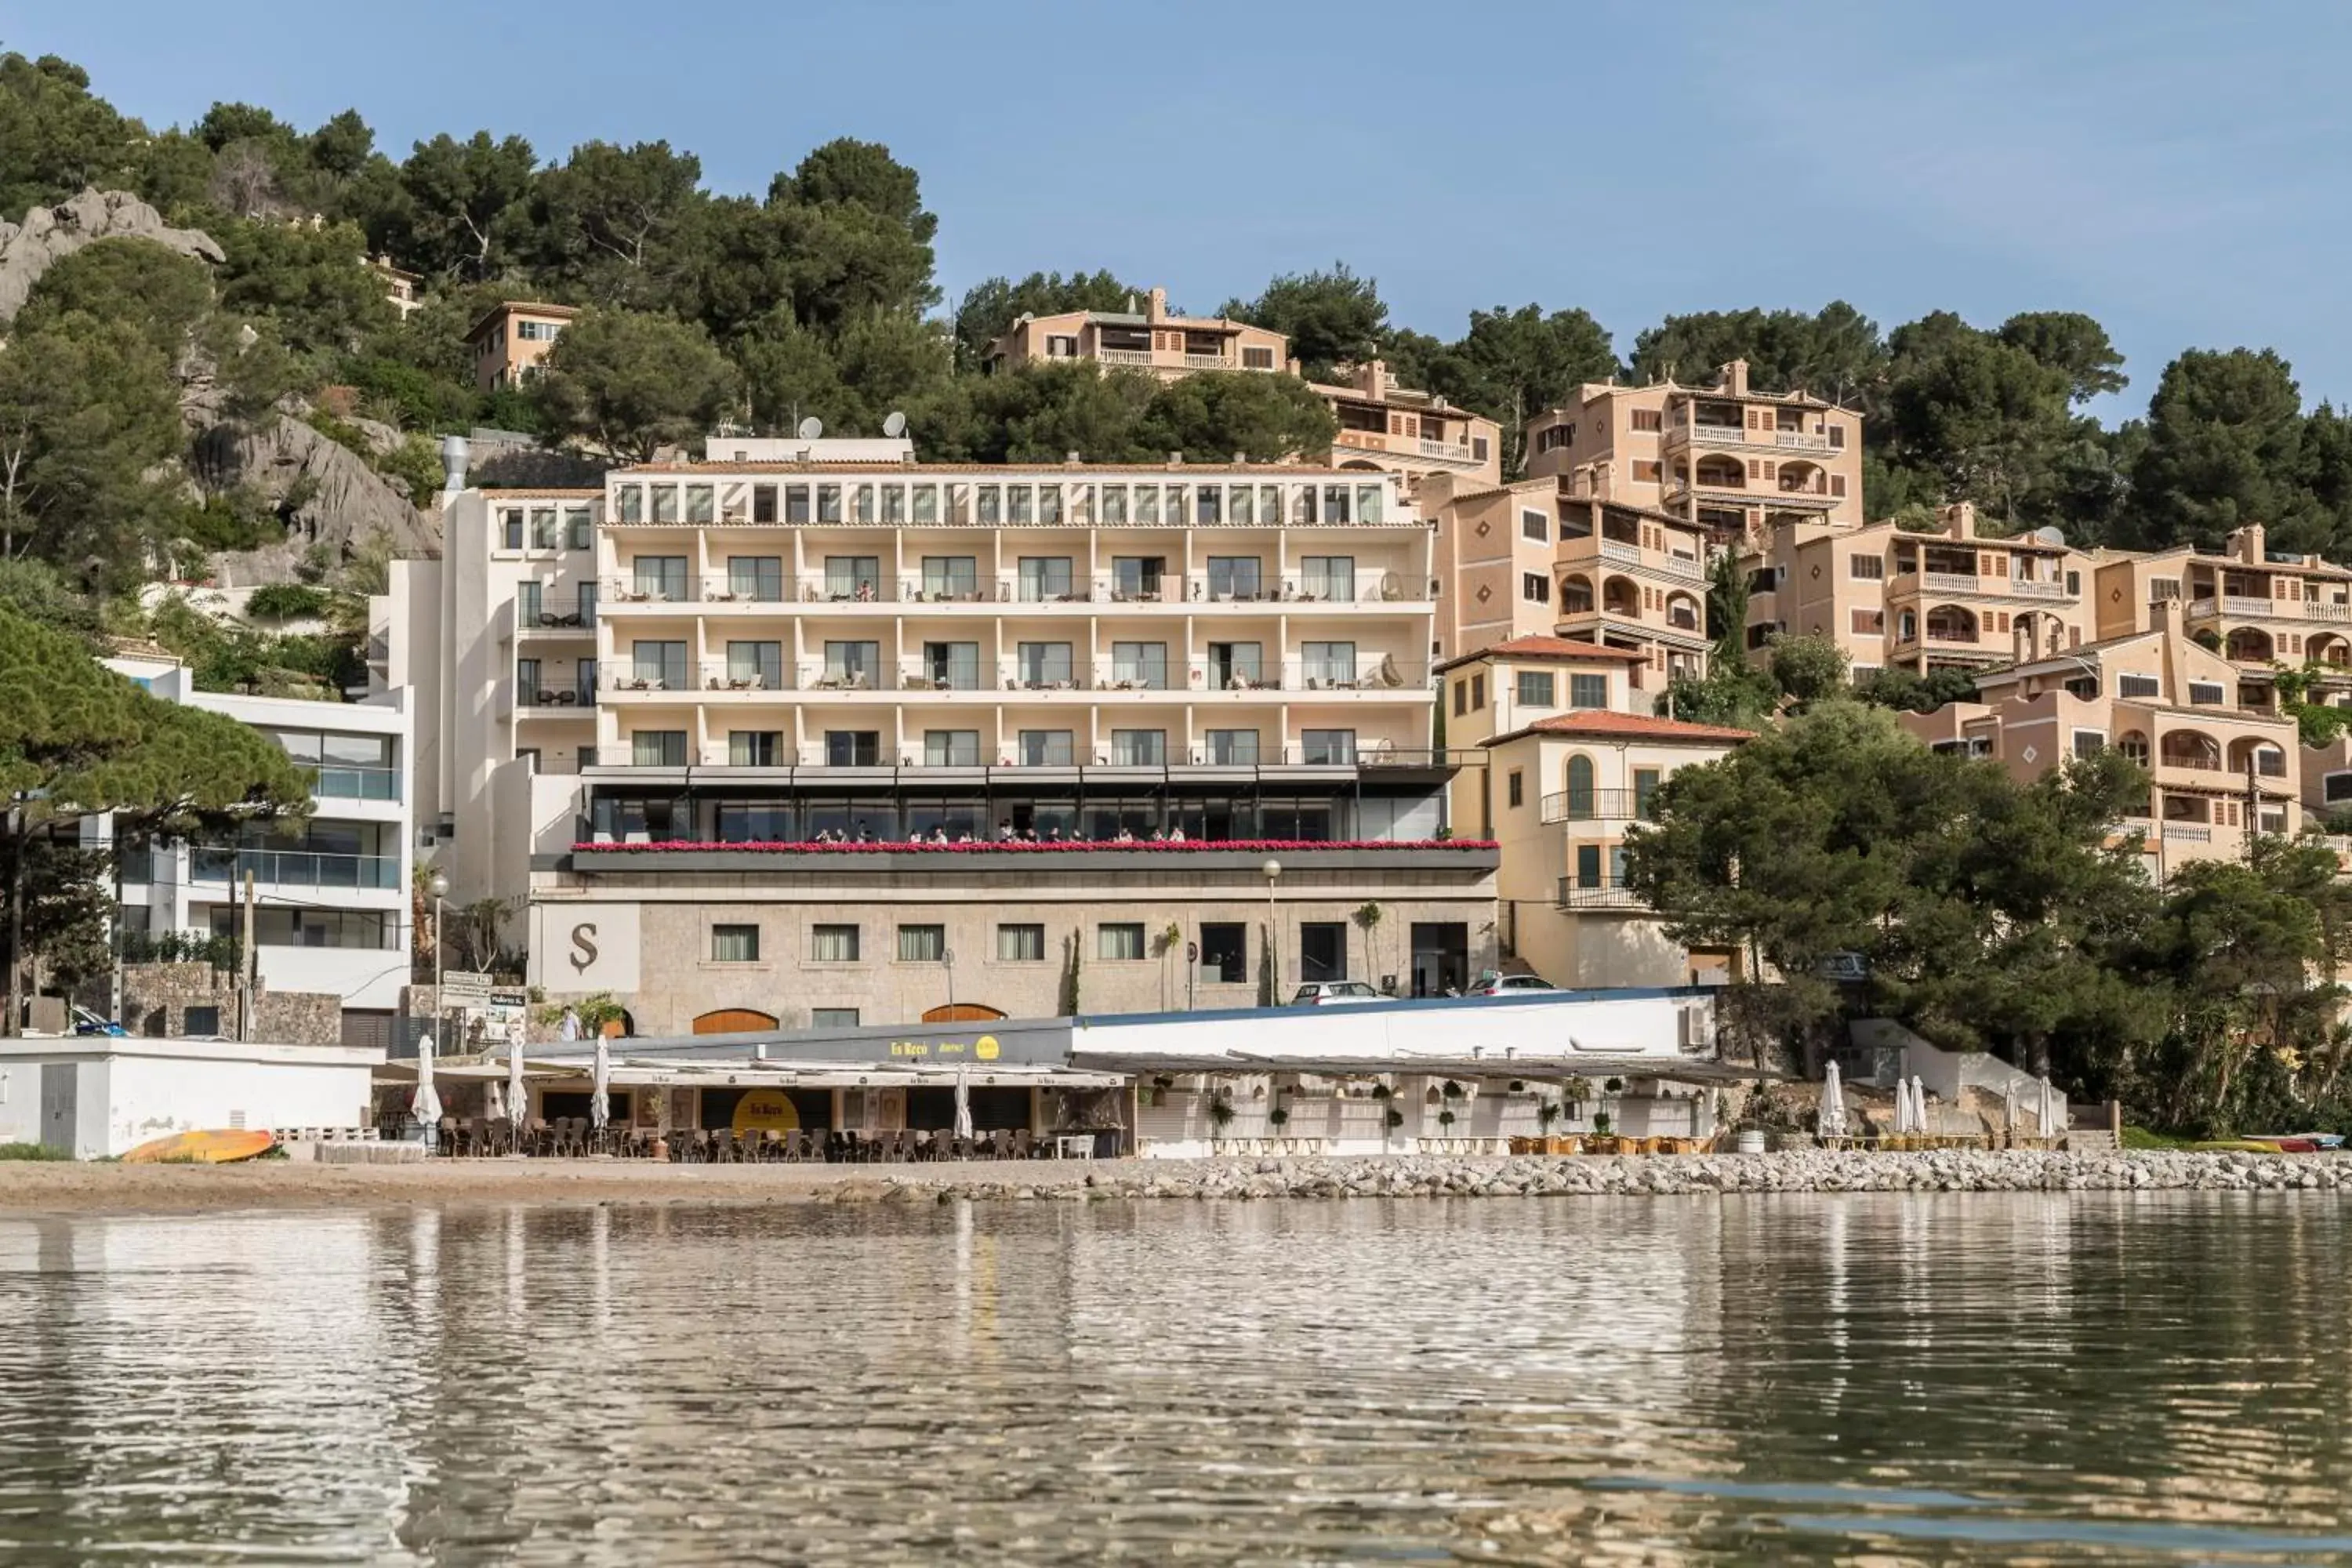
(1625, 726)
(1547, 648)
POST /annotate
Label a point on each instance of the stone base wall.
(172, 1001)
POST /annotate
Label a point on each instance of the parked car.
(1493, 985)
(1332, 993)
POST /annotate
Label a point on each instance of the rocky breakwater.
(1804, 1171)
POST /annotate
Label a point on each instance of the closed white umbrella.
(425, 1104)
(1918, 1105)
(1833, 1122)
(518, 1098)
(600, 1107)
(494, 1101)
(2048, 1112)
(2009, 1110)
(964, 1101)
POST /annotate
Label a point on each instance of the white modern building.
(95, 1096)
(331, 893)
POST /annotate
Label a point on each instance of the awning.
(1680, 1069)
(640, 1072)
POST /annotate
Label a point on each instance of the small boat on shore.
(225, 1147)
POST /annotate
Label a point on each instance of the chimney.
(1735, 378)
(455, 455)
(2246, 544)
(1175, 460)
(2164, 615)
(1960, 520)
(1373, 378)
(1159, 308)
(1072, 458)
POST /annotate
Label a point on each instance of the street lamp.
(1273, 869)
(947, 956)
(438, 886)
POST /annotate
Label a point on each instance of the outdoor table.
(1074, 1145)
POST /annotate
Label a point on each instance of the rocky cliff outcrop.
(49, 234)
(326, 493)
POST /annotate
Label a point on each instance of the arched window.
(1583, 803)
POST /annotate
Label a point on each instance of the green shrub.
(286, 602)
(31, 1151)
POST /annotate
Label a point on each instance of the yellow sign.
(767, 1110)
(986, 1050)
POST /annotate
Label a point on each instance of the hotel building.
(652, 702)
(1732, 461)
(331, 893)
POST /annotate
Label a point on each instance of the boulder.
(49, 234)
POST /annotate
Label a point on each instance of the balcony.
(2187, 833)
(1207, 362)
(575, 625)
(1600, 806)
(1607, 893)
(1799, 441)
(294, 869)
(1713, 434)
(1140, 357)
(2234, 604)
(1449, 451)
(1951, 582)
(355, 783)
(1618, 550)
(551, 701)
(2026, 588)
(618, 592)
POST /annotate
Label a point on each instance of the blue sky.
(2175, 169)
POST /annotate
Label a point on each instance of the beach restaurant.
(1455, 1075)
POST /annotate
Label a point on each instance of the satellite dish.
(895, 424)
(811, 427)
(2050, 535)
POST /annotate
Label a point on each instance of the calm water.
(1972, 1379)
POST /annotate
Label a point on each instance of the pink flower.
(1189, 846)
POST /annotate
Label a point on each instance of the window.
(852, 748)
(1021, 944)
(2336, 787)
(665, 498)
(576, 532)
(527, 686)
(537, 331)
(1535, 525)
(1534, 587)
(660, 577)
(1646, 790)
(755, 666)
(1137, 576)
(1588, 691)
(1537, 688)
(922, 943)
(1328, 747)
(1225, 952)
(1139, 747)
(1044, 666)
(587, 603)
(756, 577)
(833, 944)
(542, 528)
(658, 749)
(1869, 623)
(1478, 448)
(1588, 865)
(659, 665)
(796, 503)
(735, 944)
(742, 824)
(633, 502)
(1048, 748)
(1257, 359)
(1582, 799)
(853, 577)
(1461, 698)
(1329, 664)
(951, 577)
(1233, 577)
(832, 1018)
(2138, 686)
(951, 748)
(511, 526)
(1519, 788)
(2205, 693)
(1328, 576)
(952, 665)
(1139, 666)
(1045, 578)
(1322, 950)
(1233, 748)
(1119, 943)
(2089, 742)
(1645, 419)
(1866, 568)
(764, 503)
(528, 599)
(753, 748)
(852, 664)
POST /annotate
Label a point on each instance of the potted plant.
(1220, 1116)
(1395, 1119)
(1278, 1117)
(1602, 1141)
(1445, 1122)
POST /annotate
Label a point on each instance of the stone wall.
(159, 999)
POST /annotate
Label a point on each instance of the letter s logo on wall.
(583, 945)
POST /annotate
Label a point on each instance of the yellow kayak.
(200, 1149)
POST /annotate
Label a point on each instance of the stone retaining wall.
(1807, 1171)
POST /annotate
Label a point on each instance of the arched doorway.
(962, 1013)
(733, 1021)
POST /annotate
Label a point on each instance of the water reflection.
(2095, 1377)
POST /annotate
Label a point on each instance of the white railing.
(1124, 356)
(1205, 362)
(2236, 605)
(2315, 611)
(1803, 443)
(1949, 583)
(1682, 566)
(1718, 435)
(1457, 451)
(2178, 833)
(2024, 589)
(1613, 549)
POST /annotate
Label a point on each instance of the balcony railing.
(554, 624)
(1801, 441)
(294, 868)
(1600, 806)
(1452, 451)
(1617, 549)
(1718, 435)
(1206, 362)
(356, 783)
(540, 697)
(1607, 893)
(1951, 581)
(2026, 588)
(1124, 356)
(2187, 833)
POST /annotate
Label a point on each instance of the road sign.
(464, 988)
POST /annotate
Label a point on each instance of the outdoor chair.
(449, 1131)
(477, 1137)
